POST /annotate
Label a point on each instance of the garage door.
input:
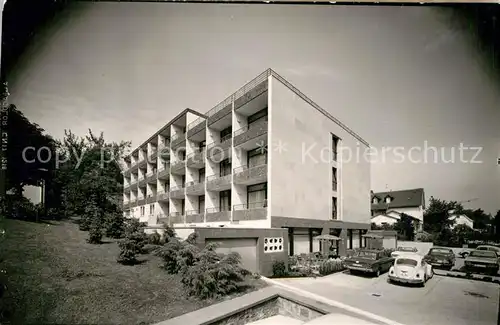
(246, 247)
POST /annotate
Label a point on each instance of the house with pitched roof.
(387, 207)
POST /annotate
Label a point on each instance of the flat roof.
(268, 72)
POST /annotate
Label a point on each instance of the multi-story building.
(263, 172)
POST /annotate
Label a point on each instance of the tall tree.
(405, 227)
(436, 216)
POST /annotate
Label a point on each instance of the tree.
(405, 227)
(496, 223)
(461, 234)
(436, 216)
(481, 219)
(29, 152)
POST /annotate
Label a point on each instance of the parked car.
(410, 268)
(440, 257)
(483, 261)
(404, 250)
(369, 261)
(489, 248)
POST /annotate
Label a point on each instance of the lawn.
(55, 276)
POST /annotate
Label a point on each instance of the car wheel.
(377, 273)
(432, 273)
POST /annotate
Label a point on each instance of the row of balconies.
(241, 212)
(241, 176)
(213, 150)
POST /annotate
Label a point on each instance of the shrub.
(134, 242)
(154, 238)
(168, 252)
(115, 225)
(168, 234)
(95, 233)
(331, 266)
(214, 275)
(279, 269)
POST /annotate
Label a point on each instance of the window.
(225, 200)
(183, 207)
(375, 200)
(406, 262)
(335, 142)
(182, 155)
(225, 134)
(225, 167)
(201, 204)
(201, 175)
(334, 178)
(256, 157)
(257, 117)
(142, 211)
(256, 196)
(203, 145)
(334, 208)
(166, 185)
(151, 209)
(388, 199)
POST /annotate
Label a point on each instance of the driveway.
(443, 300)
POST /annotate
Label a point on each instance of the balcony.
(163, 171)
(151, 177)
(256, 95)
(196, 159)
(142, 181)
(153, 155)
(141, 201)
(196, 129)
(176, 217)
(194, 216)
(251, 136)
(250, 211)
(126, 188)
(126, 205)
(151, 198)
(249, 176)
(216, 183)
(195, 188)
(127, 171)
(177, 192)
(219, 151)
(162, 196)
(134, 165)
(143, 163)
(218, 214)
(178, 167)
(220, 116)
(177, 141)
(133, 203)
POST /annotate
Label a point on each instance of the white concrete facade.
(297, 171)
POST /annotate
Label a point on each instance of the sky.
(398, 76)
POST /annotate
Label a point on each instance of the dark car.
(440, 257)
(369, 261)
(483, 261)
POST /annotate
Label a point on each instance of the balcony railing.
(176, 217)
(248, 175)
(177, 139)
(250, 206)
(218, 209)
(162, 196)
(192, 212)
(250, 127)
(151, 198)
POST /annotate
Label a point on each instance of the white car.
(410, 268)
(404, 250)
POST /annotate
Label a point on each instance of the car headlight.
(467, 263)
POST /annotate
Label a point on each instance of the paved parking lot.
(443, 300)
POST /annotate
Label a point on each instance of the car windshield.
(483, 253)
(368, 255)
(440, 251)
(406, 261)
(407, 249)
